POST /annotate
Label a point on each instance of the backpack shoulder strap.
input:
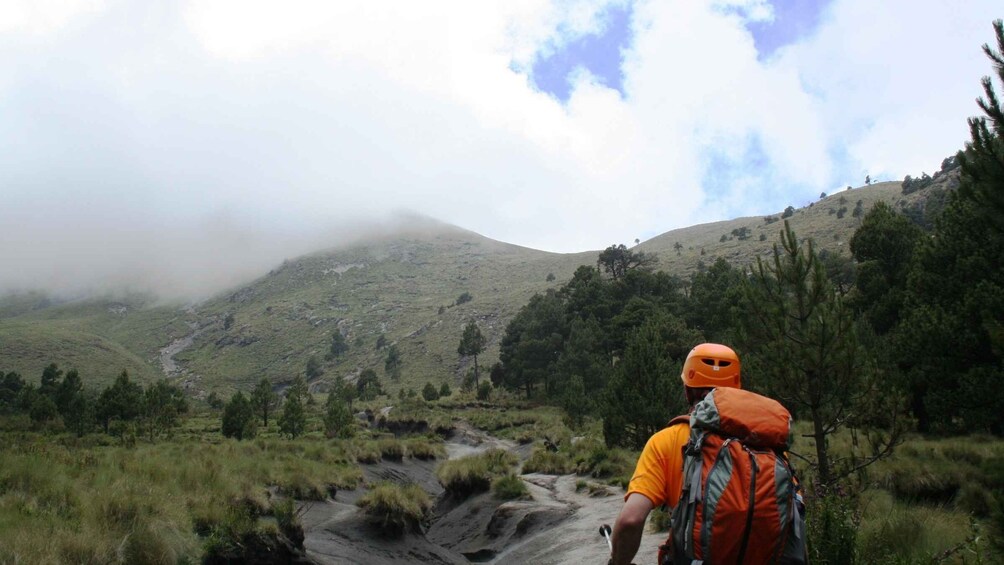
(682, 419)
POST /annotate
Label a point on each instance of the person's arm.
(629, 527)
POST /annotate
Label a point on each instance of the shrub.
(467, 475)
(288, 521)
(367, 452)
(484, 390)
(659, 520)
(395, 508)
(429, 392)
(549, 463)
(445, 391)
(464, 298)
(788, 212)
(420, 448)
(391, 449)
(510, 487)
(832, 530)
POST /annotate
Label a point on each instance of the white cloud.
(42, 17)
(129, 119)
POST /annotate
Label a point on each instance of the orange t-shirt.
(659, 473)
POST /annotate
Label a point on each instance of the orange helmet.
(711, 365)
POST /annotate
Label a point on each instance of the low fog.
(178, 263)
(183, 147)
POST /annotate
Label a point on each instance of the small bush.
(367, 452)
(288, 521)
(549, 463)
(659, 520)
(510, 487)
(468, 475)
(421, 448)
(391, 449)
(396, 508)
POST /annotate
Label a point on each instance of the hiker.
(750, 432)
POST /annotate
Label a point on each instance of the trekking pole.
(605, 532)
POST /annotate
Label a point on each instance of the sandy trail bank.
(558, 526)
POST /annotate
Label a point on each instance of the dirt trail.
(559, 526)
(167, 362)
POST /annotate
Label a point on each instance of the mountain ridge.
(406, 286)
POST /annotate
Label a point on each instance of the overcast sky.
(183, 144)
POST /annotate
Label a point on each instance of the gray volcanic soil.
(558, 526)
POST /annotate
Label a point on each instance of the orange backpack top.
(740, 501)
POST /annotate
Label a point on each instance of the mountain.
(406, 287)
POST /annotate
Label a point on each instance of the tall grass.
(396, 508)
(154, 503)
(474, 473)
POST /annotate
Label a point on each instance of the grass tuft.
(396, 508)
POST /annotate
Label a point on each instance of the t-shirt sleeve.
(659, 472)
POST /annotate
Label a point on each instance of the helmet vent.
(709, 362)
(724, 363)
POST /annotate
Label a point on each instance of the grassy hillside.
(818, 221)
(99, 337)
(403, 287)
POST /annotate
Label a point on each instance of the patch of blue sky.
(599, 53)
(792, 21)
(740, 183)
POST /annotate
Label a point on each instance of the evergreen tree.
(343, 390)
(338, 418)
(982, 162)
(11, 385)
(313, 369)
(806, 347)
(533, 342)
(293, 421)
(715, 295)
(50, 381)
(617, 260)
(68, 390)
(950, 343)
(298, 388)
(644, 392)
(264, 400)
(338, 345)
(368, 385)
(42, 409)
(392, 364)
(472, 343)
(163, 404)
(574, 400)
(122, 401)
(883, 247)
(445, 391)
(429, 392)
(239, 421)
(79, 415)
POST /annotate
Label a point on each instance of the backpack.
(740, 501)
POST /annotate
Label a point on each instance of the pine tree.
(293, 421)
(982, 162)
(122, 401)
(806, 347)
(392, 363)
(238, 421)
(644, 392)
(264, 400)
(429, 392)
(338, 418)
(472, 343)
(338, 345)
